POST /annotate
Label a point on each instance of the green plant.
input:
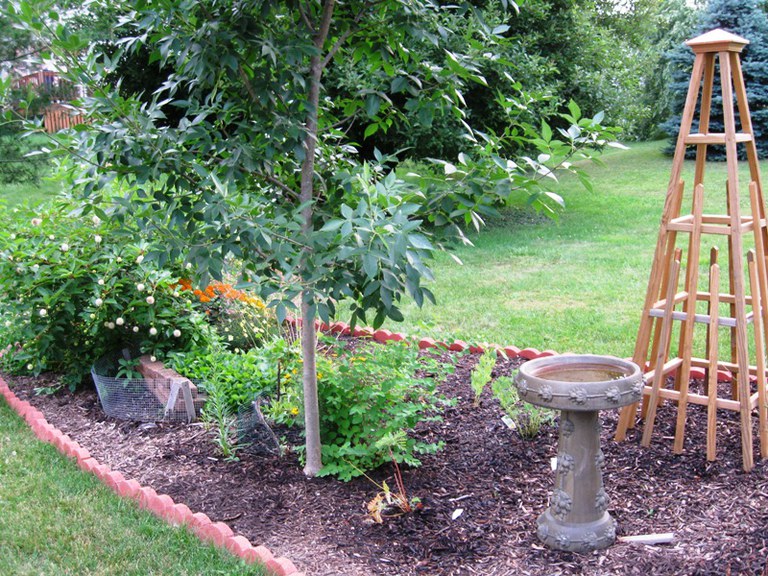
(217, 415)
(80, 290)
(239, 376)
(481, 375)
(128, 368)
(371, 394)
(526, 418)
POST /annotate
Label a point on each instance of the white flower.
(37, 221)
(96, 220)
(119, 321)
(139, 259)
(64, 247)
(7, 323)
(13, 236)
(43, 312)
(150, 299)
(230, 338)
(92, 316)
(101, 282)
(135, 328)
(98, 301)
(119, 259)
(140, 287)
(35, 267)
(153, 331)
(29, 367)
(97, 239)
(188, 265)
(176, 333)
(111, 325)
(51, 237)
(153, 358)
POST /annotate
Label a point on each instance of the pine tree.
(745, 18)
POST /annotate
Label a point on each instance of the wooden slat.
(716, 138)
(701, 318)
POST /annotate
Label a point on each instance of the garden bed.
(719, 514)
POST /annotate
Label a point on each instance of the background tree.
(259, 167)
(747, 19)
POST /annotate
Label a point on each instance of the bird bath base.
(579, 386)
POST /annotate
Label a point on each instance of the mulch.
(500, 482)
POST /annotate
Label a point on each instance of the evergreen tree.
(745, 18)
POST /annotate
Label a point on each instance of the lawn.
(572, 285)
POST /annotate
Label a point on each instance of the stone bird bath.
(579, 386)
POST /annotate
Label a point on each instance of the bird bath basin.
(579, 386)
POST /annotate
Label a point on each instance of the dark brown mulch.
(719, 514)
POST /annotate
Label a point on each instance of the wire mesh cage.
(253, 432)
(137, 398)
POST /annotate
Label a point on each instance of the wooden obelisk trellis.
(678, 305)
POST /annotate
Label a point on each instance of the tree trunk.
(313, 446)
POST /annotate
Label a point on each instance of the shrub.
(78, 292)
(371, 394)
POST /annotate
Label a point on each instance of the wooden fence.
(58, 117)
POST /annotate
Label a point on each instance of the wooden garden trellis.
(674, 311)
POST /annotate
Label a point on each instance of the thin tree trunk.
(308, 333)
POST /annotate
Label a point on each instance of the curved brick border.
(219, 533)
(161, 505)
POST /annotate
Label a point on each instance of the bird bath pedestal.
(579, 386)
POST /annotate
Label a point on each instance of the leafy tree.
(745, 18)
(259, 167)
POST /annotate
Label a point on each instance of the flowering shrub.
(372, 394)
(77, 292)
(243, 321)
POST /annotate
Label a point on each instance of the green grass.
(32, 193)
(57, 520)
(573, 285)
